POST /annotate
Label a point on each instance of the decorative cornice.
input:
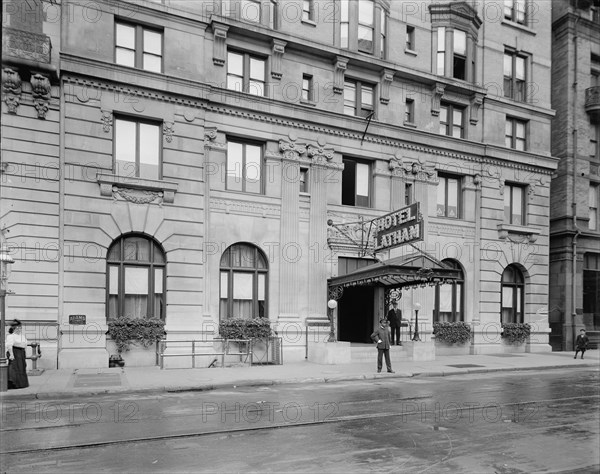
(454, 229)
(340, 63)
(11, 89)
(277, 50)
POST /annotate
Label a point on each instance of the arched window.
(243, 282)
(135, 278)
(449, 298)
(513, 295)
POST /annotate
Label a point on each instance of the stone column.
(291, 251)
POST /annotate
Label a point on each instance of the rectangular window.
(383, 33)
(441, 51)
(359, 98)
(356, 183)
(137, 148)
(594, 140)
(408, 194)
(514, 204)
(410, 37)
(452, 120)
(409, 111)
(344, 23)
(303, 180)
(366, 25)
(307, 10)
(593, 206)
(591, 286)
(244, 167)
(515, 134)
(246, 73)
(459, 70)
(515, 74)
(448, 197)
(307, 87)
(514, 10)
(137, 46)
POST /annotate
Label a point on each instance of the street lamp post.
(417, 307)
(5, 261)
(332, 304)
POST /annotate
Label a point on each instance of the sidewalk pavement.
(68, 383)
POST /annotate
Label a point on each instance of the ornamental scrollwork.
(11, 88)
(40, 88)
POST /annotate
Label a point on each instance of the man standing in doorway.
(394, 317)
(381, 336)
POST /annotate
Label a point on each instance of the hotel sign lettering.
(398, 228)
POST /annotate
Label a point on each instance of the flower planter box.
(514, 347)
(445, 349)
(137, 356)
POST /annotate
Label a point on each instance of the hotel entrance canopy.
(413, 270)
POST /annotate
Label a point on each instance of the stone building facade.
(575, 232)
(183, 160)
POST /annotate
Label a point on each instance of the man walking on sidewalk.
(381, 336)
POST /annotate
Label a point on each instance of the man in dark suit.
(394, 317)
(381, 336)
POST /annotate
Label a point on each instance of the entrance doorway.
(355, 314)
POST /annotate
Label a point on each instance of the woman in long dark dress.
(16, 345)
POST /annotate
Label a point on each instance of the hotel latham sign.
(397, 228)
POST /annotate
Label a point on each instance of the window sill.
(518, 26)
(412, 52)
(308, 102)
(309, 23)
(410, 124)
(530, 233)
(137, 190)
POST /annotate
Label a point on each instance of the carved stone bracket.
(11, 89)
(219, 44)
(341, 64)
(278, 48)
(40, 87)
(518, 233)
(476, 103)
(107, 120)
(387, 77)
(436, 97)
(168, 131)
(319, 154)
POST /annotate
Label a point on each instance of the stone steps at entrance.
(368, 353)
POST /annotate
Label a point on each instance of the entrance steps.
(360, 353)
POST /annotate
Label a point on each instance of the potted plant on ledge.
(515, 335)
(452, 338)
(126, 332)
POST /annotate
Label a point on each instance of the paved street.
(534, 421)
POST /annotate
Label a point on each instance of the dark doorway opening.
(355, 314)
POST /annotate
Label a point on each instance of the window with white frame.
(246, 73)
(137, 148)
(307, 88)
(138, 46)
(410, 37)
(448, 196)
(516, 11)
(308, 10)
(243, 282)
(514, 204)
(515, 76)
(459, 54)
(361, 22)
(515, 135)
(449, 298)
(409, 111)
(452, 119)
(513, 295)
(244, 166)
(135, 278)
(359, 98)
(356, 183)
(593, 206)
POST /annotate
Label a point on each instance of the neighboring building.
(575, 228)
(182, 159)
